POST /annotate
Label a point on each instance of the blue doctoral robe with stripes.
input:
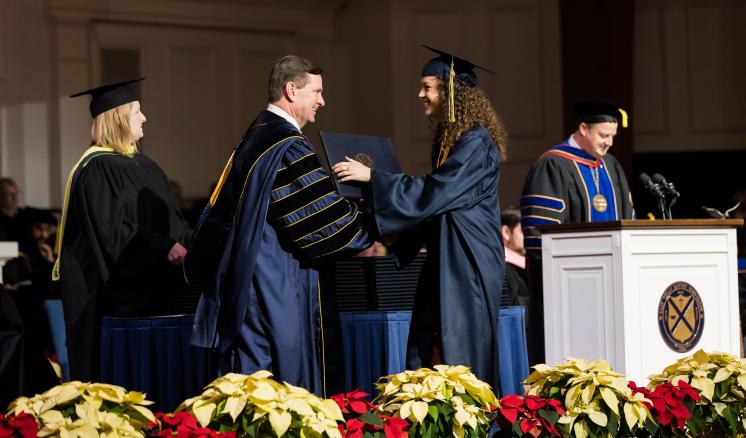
(559, 189)
(455, 212)
(273, 217)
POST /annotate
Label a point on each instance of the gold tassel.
(451, 100)
(624, 118)
(442, 155)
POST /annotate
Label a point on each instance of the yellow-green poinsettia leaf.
(67, 393)
(280, 422)
(598, 417)
(406, 409)
(234, 405)
(263, 392)
(419, 410)
(720, 408)
(107, 392)
(571, 396)
(85, 431)
(630, 415)
(203, 413)
(741, 381)
(701, 357)
(300, 406)
(722, 374)
(228, 388)
(331, 410)
(705, 385)
(587, 394)
(261, 374)
(610, 399)
(461, 417)
(52, 417)
(145, 412)
(88, 413)
(581, 429)
(458, 431)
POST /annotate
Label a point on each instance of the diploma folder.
(375, 152)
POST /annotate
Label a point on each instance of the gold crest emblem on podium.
(681, 316)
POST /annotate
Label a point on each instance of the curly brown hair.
(471, 107)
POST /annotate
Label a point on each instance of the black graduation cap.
(30, 216)
(109, 96)
(598, 112)
(440, 66)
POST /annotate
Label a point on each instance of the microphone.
(672, 195)
(651, 186)
(667, 186)
(655, 189)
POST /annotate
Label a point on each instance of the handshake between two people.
(353, 170)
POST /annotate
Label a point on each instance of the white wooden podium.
(604, 283)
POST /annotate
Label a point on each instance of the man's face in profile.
(597, 138)
(309, 99)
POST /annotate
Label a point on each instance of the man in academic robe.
(576, 181)
(273, 218)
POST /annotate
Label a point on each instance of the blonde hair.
(112, 128)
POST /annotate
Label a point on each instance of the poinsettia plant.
(22, 425)
(597, 400)
(671, 406)
(444, 401)
(362, 418)
(257, 406)
(528, 416)
(183, 425)
(75, 409)
(721, 380)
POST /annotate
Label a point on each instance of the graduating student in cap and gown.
(121, 236)
(272, 219)
(454, 211)
(576, 181)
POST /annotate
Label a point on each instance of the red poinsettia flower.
(395, 427)
(22, 424)
(525, 411)
(667, 402)
(353, 402)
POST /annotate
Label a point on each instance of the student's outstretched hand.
(351, 170)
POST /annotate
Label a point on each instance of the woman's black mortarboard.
(599, 112)
(441, 65)
(449, 67)
(109, 96)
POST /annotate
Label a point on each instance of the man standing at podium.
(576, 181)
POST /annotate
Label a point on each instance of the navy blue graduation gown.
(456, 212)
(272, 219)
(559, 189)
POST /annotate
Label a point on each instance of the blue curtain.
(375, 344)
(154, 355)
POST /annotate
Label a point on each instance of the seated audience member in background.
(11, 226)
(121, 237)
(515, 288)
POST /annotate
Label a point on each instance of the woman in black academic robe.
(121, 237)
(455, 212)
